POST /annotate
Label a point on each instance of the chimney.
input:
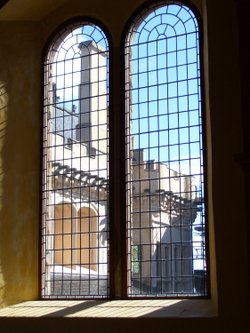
(138, 156)
(92, 126)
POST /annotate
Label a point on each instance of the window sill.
(112, 309)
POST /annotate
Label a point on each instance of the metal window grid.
(75, 217)
(165, 190)
(164, 155)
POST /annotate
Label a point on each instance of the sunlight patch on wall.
(3, 122)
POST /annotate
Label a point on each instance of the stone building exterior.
(165, 222)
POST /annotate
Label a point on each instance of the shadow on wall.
(3, 125)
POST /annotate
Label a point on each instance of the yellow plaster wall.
(20, 58)
(20, 125)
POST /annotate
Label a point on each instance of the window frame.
(64, 29)
(142, 10)
(117, 154)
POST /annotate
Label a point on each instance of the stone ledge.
(112, 309)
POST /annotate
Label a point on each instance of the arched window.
(164, 150)
(163, 248)
(75, 239)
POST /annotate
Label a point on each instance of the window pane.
(165, 186)
(75, 238)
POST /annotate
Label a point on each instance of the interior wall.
(22, 45)
(20, 61)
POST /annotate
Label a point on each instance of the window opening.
(164, 154)
(75, 223)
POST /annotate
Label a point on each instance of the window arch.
(164, 151)
(75, 239)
